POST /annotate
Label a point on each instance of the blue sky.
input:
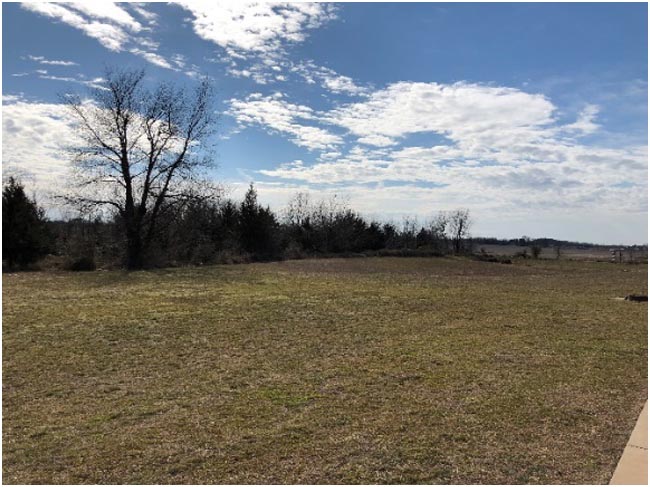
(533, 116)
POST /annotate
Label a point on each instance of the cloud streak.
(107, 22)
(277, 115)
(51, 62)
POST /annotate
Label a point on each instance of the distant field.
(376, 370)
(572, 253)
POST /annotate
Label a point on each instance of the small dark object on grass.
(636, 297)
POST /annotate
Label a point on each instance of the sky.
(531, 115)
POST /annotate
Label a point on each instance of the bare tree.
(298, 210)
(458, 224)
(409, 232)
(142, 152)
(438, 225)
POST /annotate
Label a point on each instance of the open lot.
(376, 370)
(602, 253)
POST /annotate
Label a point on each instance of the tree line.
(222, 230)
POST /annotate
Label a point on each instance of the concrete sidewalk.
(632, 468)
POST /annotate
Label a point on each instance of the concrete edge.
(632, 468)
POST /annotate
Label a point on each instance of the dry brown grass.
(362, 370)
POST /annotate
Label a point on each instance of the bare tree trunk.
(134, 251)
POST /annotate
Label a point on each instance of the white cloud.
(108, 11)
(179, 60)
(52, 62)
(256, 27)
(153, 58)
(341, 84)
(275, 114)
(139, 8)
(328, 78)
(255, 36)
(8, 98)
(33, 137)
(377, 140)
(257, 72)
(112, 37)
(480, 119)
(468, 114)
(92, 83)
(585, 124)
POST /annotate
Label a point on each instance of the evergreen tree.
(25, 236)
(257, 227)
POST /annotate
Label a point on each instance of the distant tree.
(347, 232)
(298, 210)
(25, 235)
(258, 227)
(409, 236)
(524, 241)
(193, 235)
(459, 223)
(228, 225)
(141, 152)
(391, 235)
(535, 250)
(423, 238)
(437, 227)
(298, 217)
(375, 238)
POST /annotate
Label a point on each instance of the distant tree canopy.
(25, 235)
(141, 153)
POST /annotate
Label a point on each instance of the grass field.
(601, 253)
(361, 370)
